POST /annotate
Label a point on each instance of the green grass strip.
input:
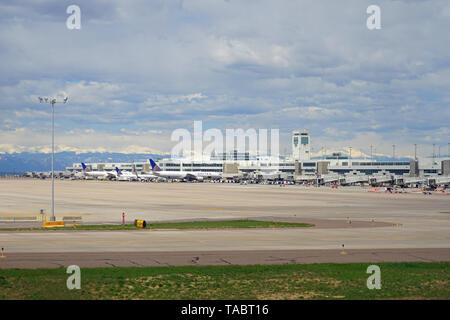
(181, 225)
(307, 281)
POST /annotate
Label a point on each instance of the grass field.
(313, 281)
(182, 225)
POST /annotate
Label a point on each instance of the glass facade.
(172, 164)
(381, 163)
(304, 140)
(308, 164)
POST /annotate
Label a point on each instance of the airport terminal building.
(298, 167)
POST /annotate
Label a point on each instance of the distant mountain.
(27, 161)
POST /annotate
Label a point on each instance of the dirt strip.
(141, 259)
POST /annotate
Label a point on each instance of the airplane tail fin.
(118, 171)
(155, 167)
(84, 167)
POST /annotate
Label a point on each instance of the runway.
(403, 222)
(200, 258)
(104, 201)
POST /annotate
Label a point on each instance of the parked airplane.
(182, 175)
(125, 175)
(146, 176)
(95, 174)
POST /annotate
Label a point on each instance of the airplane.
(182, 175)
(95, 174)
(146, 176)
(125, 175)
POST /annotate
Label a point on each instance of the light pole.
(52, 101)
(433, 152)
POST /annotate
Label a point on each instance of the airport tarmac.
(411, 221)
(104, 201)
(201, 258)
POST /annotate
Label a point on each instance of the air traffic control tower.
(301, 145)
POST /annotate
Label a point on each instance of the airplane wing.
(191, 176)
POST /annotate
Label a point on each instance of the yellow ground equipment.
(52, 224)
(140, 223)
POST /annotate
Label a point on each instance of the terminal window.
(309, 164)
(304, 140)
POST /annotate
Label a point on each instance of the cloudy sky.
(137, 70)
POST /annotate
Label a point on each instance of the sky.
(138, 70)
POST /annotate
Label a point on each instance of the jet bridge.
(330, 178)
(437, 180)
(409, 180)
(376, 179)
(349, 179)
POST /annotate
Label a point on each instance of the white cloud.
(160, 100)
(80, 141)
(150, 67)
